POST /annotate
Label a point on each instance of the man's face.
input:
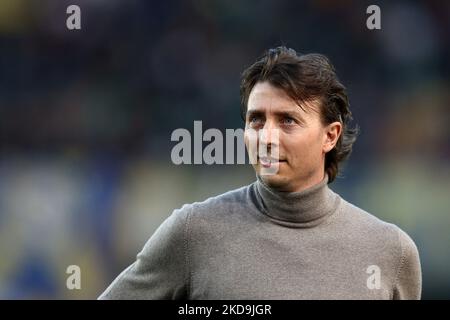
(302, 139)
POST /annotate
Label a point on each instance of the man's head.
(301, 99)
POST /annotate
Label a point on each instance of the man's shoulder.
(224, 202)
(376, 228)
(359, 216)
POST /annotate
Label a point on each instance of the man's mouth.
(267, 162)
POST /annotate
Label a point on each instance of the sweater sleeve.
(160, 270)
(408, 283)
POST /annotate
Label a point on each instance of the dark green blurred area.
(86, 118)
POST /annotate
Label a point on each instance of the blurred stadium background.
(86, 118)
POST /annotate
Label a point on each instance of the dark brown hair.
(305, 77)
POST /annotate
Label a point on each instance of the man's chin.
(275, 181)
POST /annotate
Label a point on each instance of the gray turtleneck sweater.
(257, 243)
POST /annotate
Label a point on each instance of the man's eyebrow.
(254, 112)
(290, 114)
(281, 113)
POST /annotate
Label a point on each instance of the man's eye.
(288, 121)
(255, 120)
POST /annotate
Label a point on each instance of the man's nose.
(268, 135)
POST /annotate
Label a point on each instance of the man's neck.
(309, 182)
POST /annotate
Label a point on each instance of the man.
(287, 235)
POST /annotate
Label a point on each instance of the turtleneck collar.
(306, 208)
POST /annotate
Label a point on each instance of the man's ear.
(331, 136)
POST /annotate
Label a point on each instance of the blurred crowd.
(86, 117)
